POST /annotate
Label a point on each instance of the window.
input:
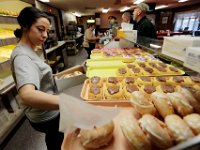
(187, 21)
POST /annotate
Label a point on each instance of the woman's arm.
(38, 99)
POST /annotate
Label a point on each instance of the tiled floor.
(26, 138)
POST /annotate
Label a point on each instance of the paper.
(75, 113)
(126, 26)
(192, 58)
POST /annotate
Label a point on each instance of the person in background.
(127, 18)
(144, 26)
(89, 40)
(33, 77)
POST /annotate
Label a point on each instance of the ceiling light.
(105, 10)
(181, 1)
(138, 1)
(161, 6)
(90, 21)
(124, 9)
(45, 1)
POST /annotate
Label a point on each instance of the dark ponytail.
(18, 33)
(27, 17)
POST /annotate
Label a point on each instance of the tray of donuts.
(141, 126)
(119, 89)
(152, 68)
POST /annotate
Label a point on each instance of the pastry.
(144, 80)
(179, 130)
(96, 80)
(122, 72)
(131, 66)
(165, 88)
(195, 79)
(128, 89)
(96, 137)
(69, 75)
(114, 92)
(149, 71)
(180, 104)
(141, 103)
(161, 69)
(193, 120)
(77, 73)
(95, 93)
(162, 103)
(160, 80)
(190, 98)
(154, 65)
(142, 65)
(110, 81)
(128, 80)
(134, 134)
(163, 65)
(176, 80)
(148, 89)
(135, 71)
(156, 131)
(173, 69)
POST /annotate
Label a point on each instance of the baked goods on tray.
(193, 120)
(178, 128)
(162, 103)
(180, 104)
(156, 131)
(134, 134)
(141, 103)
(113, 92)
(96, 80)
(122, 72)
(110, 81)
(95, 92)
(128, 89)
(96, 137)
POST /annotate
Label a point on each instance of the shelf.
(14, 118)
(8, 84)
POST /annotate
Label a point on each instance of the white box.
(176, 46)
(64, 83)
(130, 35)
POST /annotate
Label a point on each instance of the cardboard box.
(176, 46)
(64, 83)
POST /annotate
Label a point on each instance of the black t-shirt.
(146, 28)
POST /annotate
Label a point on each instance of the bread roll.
(180, 104)
(156, 130)
(97, 137)
(134, 134)
(162, 103)
(193, 120)
(141, 103)
(179, 130)
(190, 98)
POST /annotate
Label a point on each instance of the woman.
(89, 39)
(33, 77)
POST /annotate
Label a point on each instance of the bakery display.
(180, 104)
(110, 81)
(179, 130)
(133, 133)
(156, 130)
(96, 137)
(122, 72)
(193, 120)
(162, 103)
(141, 103)
(148, 89)
(166, 88)
(128, 80)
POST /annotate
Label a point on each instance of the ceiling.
(89, 7)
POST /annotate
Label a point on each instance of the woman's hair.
(27, 17)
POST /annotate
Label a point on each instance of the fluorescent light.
(161, 6)
(181, 1)
(105, 10)
(124, 9)
(90, 21)
(138, 1)
(45, 1)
